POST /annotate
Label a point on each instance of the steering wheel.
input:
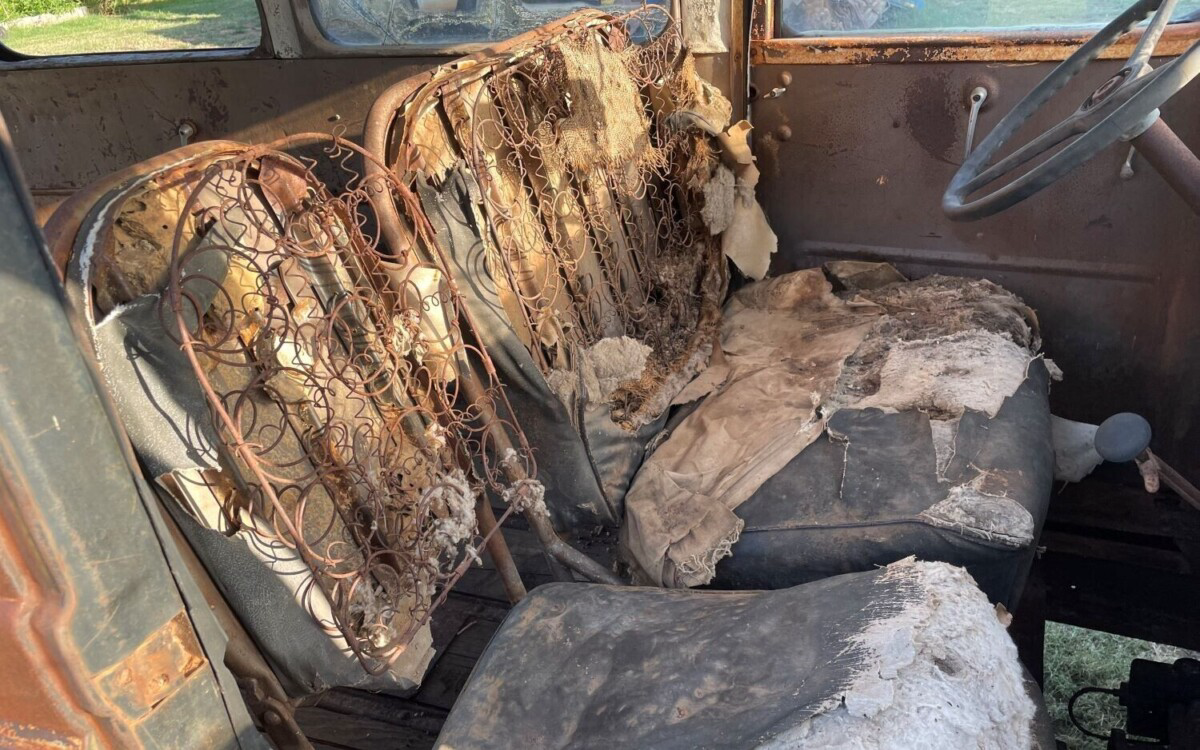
(1121, 109)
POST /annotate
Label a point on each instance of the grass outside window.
(144, 25)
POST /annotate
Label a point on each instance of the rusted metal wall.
(73, 125)
(855, 159)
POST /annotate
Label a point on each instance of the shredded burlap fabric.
(606, 125)
(785, 341)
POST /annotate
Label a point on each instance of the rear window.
(75, 27)
(839, 17)
(441, 22)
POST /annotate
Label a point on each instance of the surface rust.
(16, 736)
(156, 668)
(47, 697)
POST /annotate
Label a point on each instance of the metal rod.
(979, 95)
(497, 547)
(1172, 159)
(558, 550)
(568, 555)
(1177, 482)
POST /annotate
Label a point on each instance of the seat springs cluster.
(590, 175)
(341, 386)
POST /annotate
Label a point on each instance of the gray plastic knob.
(1122, 437)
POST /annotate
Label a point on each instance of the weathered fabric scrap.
(785, 341)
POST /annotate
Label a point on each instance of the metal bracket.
(1127, 167)
(185, 131)
(978, 96)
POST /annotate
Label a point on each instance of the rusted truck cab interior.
(514, 374)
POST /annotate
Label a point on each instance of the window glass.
(817, 17)
(442, 22)
(73, 27)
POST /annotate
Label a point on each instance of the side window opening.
(839, 17)
(75, 27)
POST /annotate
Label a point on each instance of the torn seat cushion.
(869, 491)
(908, 656)
(848, 430)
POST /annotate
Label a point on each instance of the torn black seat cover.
(863, 493)
(912, 656)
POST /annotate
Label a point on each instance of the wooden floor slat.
(359, 732)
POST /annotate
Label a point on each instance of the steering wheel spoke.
(1120, 109)
(1139, 60)
(1069, 127)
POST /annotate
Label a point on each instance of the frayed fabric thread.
(526, 495)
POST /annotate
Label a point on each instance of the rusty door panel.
(98, 650)
(855, 159)
(74, 125)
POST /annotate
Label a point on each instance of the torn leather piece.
(972, 512)
(930, 309)
(855, 497)
(945, 376)
(784, 341)
(713, 377)
(854, 275)
(747, 238)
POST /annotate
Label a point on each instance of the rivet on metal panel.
(783, 132)
(785, 78)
